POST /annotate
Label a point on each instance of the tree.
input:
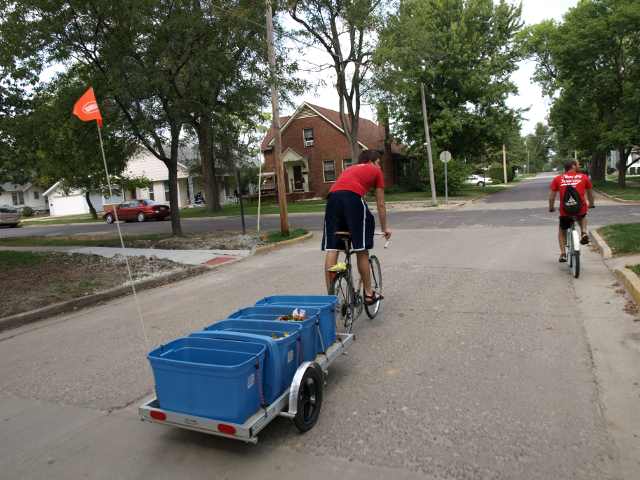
(464, 52)
(344, 29)
(66, 150)
(590, 64)
(540, 147)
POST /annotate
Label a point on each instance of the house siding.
(6, 196)
(329, 144)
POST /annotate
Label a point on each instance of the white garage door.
(71, 205)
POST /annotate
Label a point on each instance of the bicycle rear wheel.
(376, 284)
(575, 264)
(345, 314)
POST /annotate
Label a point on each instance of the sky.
(529, 96)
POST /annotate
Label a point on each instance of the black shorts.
(566, 222)
(347, 211)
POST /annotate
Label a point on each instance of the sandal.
(563, 258)
(372, 299)
(585, 239)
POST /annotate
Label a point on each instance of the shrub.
(27, 211)
(496, 173)
(457, 173)
(611, 170)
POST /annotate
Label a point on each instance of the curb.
(630, 281)
(284, 243)
(605, 250)
(32, 316)
(617, 199)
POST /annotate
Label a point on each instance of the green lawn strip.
(78, 241)
(622, 238)
(20, 259)
(60, 220)
(276, 236)
(630, 192)
(634, 268)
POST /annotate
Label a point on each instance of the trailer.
(301, 402)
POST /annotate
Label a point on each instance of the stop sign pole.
(445, 157)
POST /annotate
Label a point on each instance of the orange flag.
(86, 108)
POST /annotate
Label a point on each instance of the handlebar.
(381, 234)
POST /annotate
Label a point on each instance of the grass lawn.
(631, 192)
(276, 236)
(622, 238)
(76, 241)
(60, 220)
(217, 240)
(634, 268)
(251, 208)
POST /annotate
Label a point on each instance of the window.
(152, 195)
(167, 195)
(36, 195)
(307, 134)
(329, 170)
(346, 163)
(17, 198)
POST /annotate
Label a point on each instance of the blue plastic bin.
(325, 303)
(284, 354)
(211, 378)
(309, 333)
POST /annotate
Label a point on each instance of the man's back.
(579, 181)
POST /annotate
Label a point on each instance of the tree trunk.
(203, 130)
(172, 166)
(622, 168)
(92, 209)
(598, 166)
(215, 192)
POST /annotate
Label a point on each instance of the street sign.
(445, 156)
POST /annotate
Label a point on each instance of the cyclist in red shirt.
(581, 184)
(347, 210)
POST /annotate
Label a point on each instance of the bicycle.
(351, 299)
(572, 248)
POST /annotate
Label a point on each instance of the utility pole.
(275, 125)
(526, 146)
(504, 163)
(427, 137)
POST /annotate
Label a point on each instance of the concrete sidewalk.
(186, 257)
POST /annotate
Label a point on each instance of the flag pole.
(126, 259)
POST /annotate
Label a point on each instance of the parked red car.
(138, 211)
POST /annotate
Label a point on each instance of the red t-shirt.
(359, 179)
(579, 181)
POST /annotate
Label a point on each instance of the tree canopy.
(464, 52)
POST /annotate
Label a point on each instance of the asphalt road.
(488, 362)
(524, 205)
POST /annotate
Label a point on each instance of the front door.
(298, 179)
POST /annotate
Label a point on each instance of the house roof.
(52, 188)
(370, 134)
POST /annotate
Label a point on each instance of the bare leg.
(583, 225)
(365, 272)
(330, 259)
(562, 240)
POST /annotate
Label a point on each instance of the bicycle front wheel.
(376, 284)
(345, 314)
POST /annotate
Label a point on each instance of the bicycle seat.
(343, 234)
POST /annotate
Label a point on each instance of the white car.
(478, 180)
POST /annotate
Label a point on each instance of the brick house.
(315, 151)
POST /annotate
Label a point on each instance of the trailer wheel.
(309, 399)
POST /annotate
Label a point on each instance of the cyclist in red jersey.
(580, 182)
(346, 210)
